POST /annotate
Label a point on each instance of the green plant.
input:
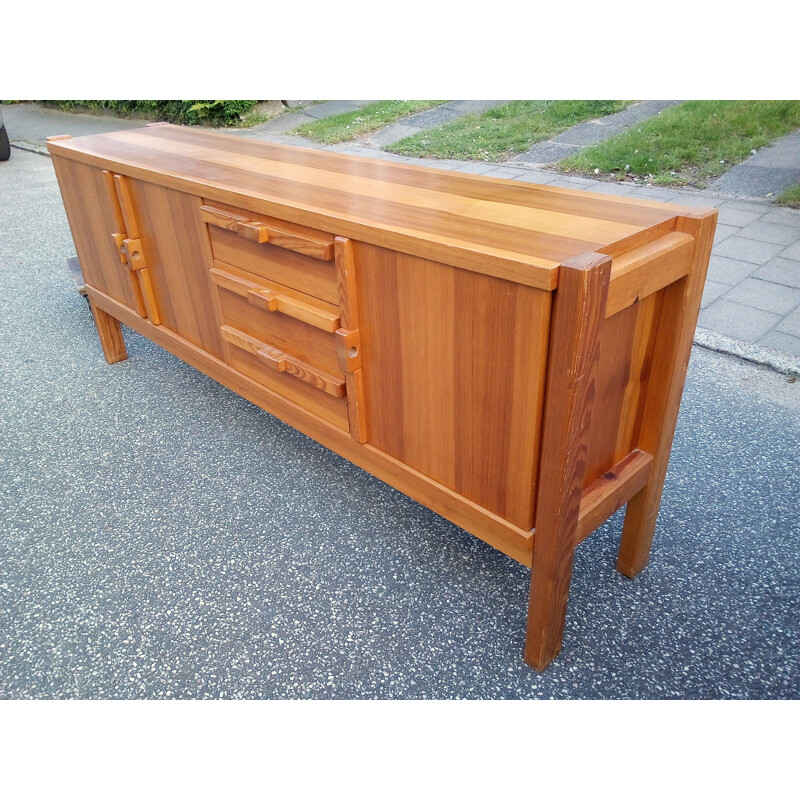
(689, 143)
(187, 112)
(504, 130)
(790, 197)
(371, 117)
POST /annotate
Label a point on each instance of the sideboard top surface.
(505, 228)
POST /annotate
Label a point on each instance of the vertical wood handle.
(119, 237)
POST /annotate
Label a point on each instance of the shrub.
(187, 112)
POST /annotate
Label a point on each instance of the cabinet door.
(143, 245)
(94, 219)
(177, 252)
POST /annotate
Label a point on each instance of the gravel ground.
(162, 537)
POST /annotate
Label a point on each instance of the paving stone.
(784, 271)
(712, 291)
(784, 153)
(790, 324)
(783, 216)
(729, 270)
(434, 117)
(723, 232)
(639, 112)
(756, 181)
(747, 250)
(477, 167)
(285, 122)
(504, 172)
(449, 163)
(426, 162)
(652, 193)
(695, 198)
(575, 183)
(604, 187)
(747, 205)
(765, 295)
(373, 152)
(393, 133)
(280, 138)
(548, 152)
(430, 118)
(740, 322)
(331, 108)
(736, 216)
(784, 342)
(473, 106)
(767, 232)
(792, 252)
(537, 176)
(586, 133)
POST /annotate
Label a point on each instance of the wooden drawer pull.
(305, 312)
(282, 362)
(242, 226)
(270, 300)
(263, 233)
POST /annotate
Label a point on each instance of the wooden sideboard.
(512, 356)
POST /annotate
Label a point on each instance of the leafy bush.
(187, 112)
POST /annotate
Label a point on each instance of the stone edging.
(784, 363)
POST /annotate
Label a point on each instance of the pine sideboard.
(510, 355)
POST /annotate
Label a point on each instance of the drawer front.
(288, 254)
(283, 339)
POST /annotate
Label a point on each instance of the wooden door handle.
(120, 238)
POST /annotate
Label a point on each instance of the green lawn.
(500, 132)
(791, 197)
(690, 143)
(371, 117)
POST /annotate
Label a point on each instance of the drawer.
(292, 255)
(283, 339)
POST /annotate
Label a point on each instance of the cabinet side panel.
(91, 221)
(454, 365)
(178, 254)
(626, 353)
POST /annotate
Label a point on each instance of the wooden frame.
(511, 356)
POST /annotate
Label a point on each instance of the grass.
(500, 132)
(790, 197)
(691, 143)
(371, 117)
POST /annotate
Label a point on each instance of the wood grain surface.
(521, 232)
(510, 355)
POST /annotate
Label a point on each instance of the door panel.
(92, 220)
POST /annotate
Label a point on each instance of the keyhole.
(353, 352)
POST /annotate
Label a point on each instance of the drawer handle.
(241, 226)
(263, 233)
(282, 362)
(270, 300)
(305, 312)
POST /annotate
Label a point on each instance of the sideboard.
(510, 355)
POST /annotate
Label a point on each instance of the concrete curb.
(776, 360)
(33, 148)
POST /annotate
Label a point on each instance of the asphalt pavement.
(164, 538)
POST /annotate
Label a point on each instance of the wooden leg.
(578, 312)
(111, 340)
(679, 310)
